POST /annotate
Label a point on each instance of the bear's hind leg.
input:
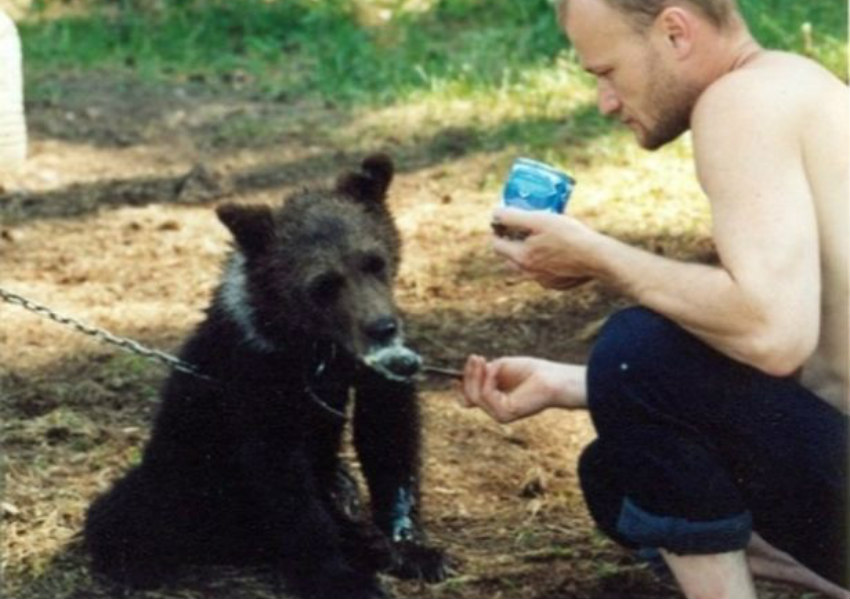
(126, 537)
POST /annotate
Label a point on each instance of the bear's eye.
(325, 288)
(374, 264)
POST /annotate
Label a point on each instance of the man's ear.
(368, 186)
(251, 226)
(678, 26)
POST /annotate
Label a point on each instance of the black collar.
(324, 354)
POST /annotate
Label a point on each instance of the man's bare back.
(824, 131)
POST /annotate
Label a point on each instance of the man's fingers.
(488, 388)
(507, 248)
(515, 218)
(479, 386)
(473, 378)
(495, 401)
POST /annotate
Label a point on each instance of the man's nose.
(607, 100)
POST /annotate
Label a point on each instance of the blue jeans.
(695, 450)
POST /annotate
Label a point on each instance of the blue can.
(533, 185)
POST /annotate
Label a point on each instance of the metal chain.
(103, 335)
(135, 347)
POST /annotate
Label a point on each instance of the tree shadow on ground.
(201, 183)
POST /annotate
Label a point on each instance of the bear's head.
(320, 268)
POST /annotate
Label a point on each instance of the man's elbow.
(781, 353)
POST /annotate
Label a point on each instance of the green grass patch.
(497, 72)
(340, 49)
(299, 47)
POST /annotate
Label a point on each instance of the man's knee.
(636, 351)
(687, 528)
(636, 337)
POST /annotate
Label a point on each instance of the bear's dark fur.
(243, 466)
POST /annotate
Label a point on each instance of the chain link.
(124, 343)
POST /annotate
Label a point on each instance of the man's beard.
(672, 102)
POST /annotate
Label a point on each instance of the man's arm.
(761, 305)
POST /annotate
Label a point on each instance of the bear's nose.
(383, 329)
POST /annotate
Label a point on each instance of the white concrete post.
(13, 131)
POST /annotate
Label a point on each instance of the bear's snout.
(395, 362)
(382, 330)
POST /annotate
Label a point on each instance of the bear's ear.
(251, 226)
(371, 183)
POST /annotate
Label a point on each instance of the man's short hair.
(642, 13)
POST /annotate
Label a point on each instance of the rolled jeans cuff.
(683, 536)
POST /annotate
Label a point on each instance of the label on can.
(533, 185)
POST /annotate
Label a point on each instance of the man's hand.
(555, 253)
(513, 388)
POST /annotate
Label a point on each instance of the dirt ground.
(111, 221)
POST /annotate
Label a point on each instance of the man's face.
(634, 81)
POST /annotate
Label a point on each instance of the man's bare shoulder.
(750, 124)
(773, 85)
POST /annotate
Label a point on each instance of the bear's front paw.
(414, 560)
(365, 547)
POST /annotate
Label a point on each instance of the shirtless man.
(721, 402)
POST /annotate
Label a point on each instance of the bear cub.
(243, 466)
